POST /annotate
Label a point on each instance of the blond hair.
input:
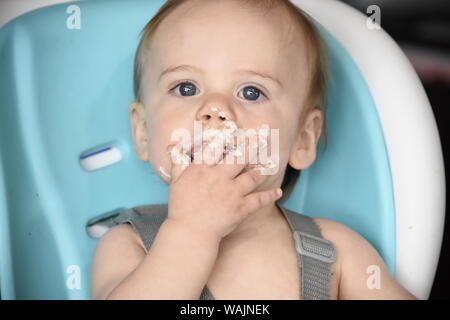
(317, 58)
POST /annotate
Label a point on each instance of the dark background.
(422, 29)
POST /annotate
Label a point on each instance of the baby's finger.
(248, 181)
(257, 200)
(213, 151)
(180, 161)
(236, 160)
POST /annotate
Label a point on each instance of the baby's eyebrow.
(262, 75)
(185, 67)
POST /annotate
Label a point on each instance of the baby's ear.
(304, 150)
(139, 129)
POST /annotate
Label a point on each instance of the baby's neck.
(257, 221)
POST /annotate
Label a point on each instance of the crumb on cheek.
(164, 173)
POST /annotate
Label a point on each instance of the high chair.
(67, 162)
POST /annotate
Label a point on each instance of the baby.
(213, 70)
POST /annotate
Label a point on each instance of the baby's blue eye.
(186, 89)
(251, 93)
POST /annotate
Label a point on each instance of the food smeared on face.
(221, 142)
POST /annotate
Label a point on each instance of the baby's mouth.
(195, 149)
(216, 141)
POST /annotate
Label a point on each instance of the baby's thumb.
(180, 161)
(257, 200)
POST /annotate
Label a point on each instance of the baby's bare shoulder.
(117, 254)
(121, 231)
(362, 271)
(348, 243)
(337, 232)
(123, 236)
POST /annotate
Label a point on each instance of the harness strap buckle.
(314, 247)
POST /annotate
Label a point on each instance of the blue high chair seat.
(64, 95)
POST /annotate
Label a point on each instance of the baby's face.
(215, 62)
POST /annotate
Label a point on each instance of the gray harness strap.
(316, 255)
(146, 221)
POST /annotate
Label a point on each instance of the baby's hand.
(215, 198)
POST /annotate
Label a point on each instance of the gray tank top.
(314, 253)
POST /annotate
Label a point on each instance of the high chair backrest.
(67, 158)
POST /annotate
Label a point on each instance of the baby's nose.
(214, 115)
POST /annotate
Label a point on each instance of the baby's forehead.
(204, 33)
(204, 22)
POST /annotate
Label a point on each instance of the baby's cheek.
(284, 151)
(158, 156)
(160, 165)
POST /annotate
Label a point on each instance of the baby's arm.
(360, 265)
(206, 202)
(176, 267)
